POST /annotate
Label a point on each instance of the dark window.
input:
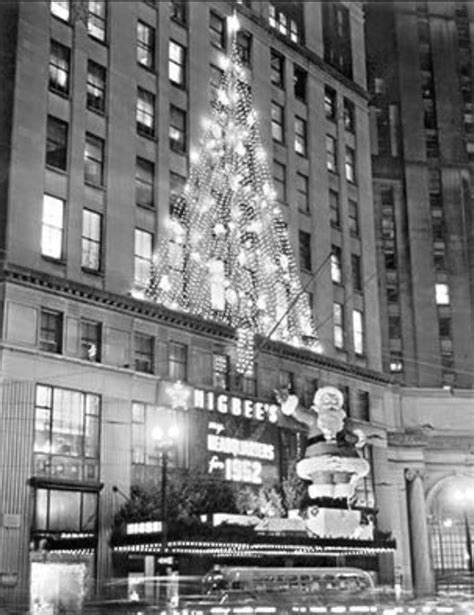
(144, 182)
(302, 187)
(445, 329)
(144, 353)
(287, 18)
(432, 146)
(91, 340)
(178, 361)
(66, 435)
(59, 67)
(337, 37)
(278, 122)
(437, 224)
(220, 371)
(178, 11)
(277, 72)
(300, 80)
(91, 240)
(51, 331)
(331, 154)
(145, 45)
(363, 405)
(177, 129)
(336, 265)
(96, 76)
(349, 115)
(249, 382)
(94, 160)
(279, 180)
(356, 273)
(330, 103)
(145, 113)
(393, 294)
(305, 250)
(396, 361)
(353, 218)
(350, 165)
(440, 256)
(64, 510)
(301, 145)
(394, 327)
(177, 184)
(390, 258)
(334, 208)
(177, 64)
(286, 380)
(217, 75)
(56, 143)
(244, 47)
(96, 19)
(217, 30)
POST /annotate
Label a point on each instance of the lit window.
(396, 362)
(336, 265)
(145, 45)
(220, 371)
(144, 182)
(349, 115)
(350, 165)
(330, 103)
(64, 510)
(177, 130)
(52, 227)
(442, 294)
(300, 79)
(143, 353)
(143, 257)
(358, 331)
(287, 18)
(94, 160)
(59, 67)
(279, 181)
(61, 9)
(217, 30)
(334, 208)
(331, 154)
(67, 441)
(177, 361)
(305, 250)
(51, 331)
(91, 341)
(338, 316)
(177, 64)
(178, 10)
(56, 143)
(91, 240)
(96, 19)
(302, 187)
(145, 113)
(95, 86)
(300, 137)
(176, 203)
(278, 122)
(277, 69)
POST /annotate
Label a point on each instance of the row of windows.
(358, 333)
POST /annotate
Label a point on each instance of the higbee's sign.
(185, 397)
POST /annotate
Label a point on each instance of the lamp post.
(466, 500)
(164, 441)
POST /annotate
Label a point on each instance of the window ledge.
(63, 172)
(146, 135)
(95, 272)
(55, 261)
(65, 485)
(60, 93)
(147, 207)
(181, 22)
(148, 69)
(99, 112)
(100, 187)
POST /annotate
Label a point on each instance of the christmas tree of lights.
(225, 253)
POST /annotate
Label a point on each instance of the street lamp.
(165, 441)
(466, 499)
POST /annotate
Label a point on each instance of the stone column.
(423, 579)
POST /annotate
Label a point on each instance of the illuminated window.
(396, 362)
(59, 67)
(336, 265)
(178, 361)
(145, 45)
(350, 165)
(442, 294)
(249, 382)
(65, 510)
(177, 64)
(66, 434)
(330, 103)
(177, 184)
(52, 227)
(305, 250)
(143, 257)
(94, 160)
(96, 19)
(56, 143)
(302, 187)
(301, 145)
(334, 208)
(91, 240)
(61, 9)
(331, 154)
(338, 317)
(364, 491)
(278, 122)
(300, 79)
(277, 69)
(178, 11)
(220, 371)
(145, 113)
(143, 353)
(287, 18)
(96, 75)
(51, 331)
(144, 182)
(177, 130)
(91, 340)
(358, 331)
(279, 181)
(217, 30)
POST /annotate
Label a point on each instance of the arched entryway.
(450, 505)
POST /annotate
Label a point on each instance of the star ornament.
(179, 395)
